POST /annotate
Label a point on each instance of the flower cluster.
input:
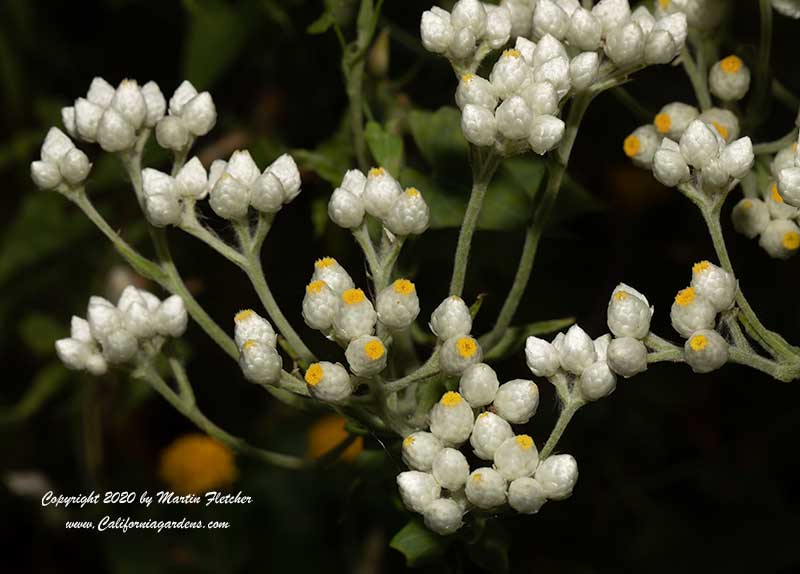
(115, 334)
(256, 339)
(771, 218)
(381, 196)
(703, 15)
(451, 322)
(694, 312)
(61, 163)
(458, 34)
(190, 115)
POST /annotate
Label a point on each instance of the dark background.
(678, 471)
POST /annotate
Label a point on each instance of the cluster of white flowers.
(703, 15)
(771, 218)
(190, 115)
(694, 312)
(381, 196)
(451, 322)
(114, 117)
(115, 334)
(559, 48)
(256, 339)
(61, 163)
(441, 485)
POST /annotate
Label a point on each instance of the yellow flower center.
(315, 286)
(684, 296)
(467, 78)
(791, 240)
(374, 349)
(524, 441)
(631, 145)
(698, 342)
(196, 463)
(314, 374)
(353, 296)
(620, 295)
(408, 441)
(403, 287)
(483, 415)
(248, 344)
(477, 477)
(663, 123)
(776, 197)
(664, 4)
(731, 64)
(723, 131)
(376, 172)
(700, 266)
(412, 192)
(324, 262)
(466, 347)
(513, 53)
(450, 399)
(747, 204)
(243, 315)
(794, 147)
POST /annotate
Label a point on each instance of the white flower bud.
(724, 122)
(354, 181)
(516, 457)
(541, 98)
(584, 31)
(699, 145)
(418, 489)
(171, 317)
(230, 198)
(778, 208)
(660, 47)
(498, 26)
(381, 192)
(713, 176)
(56, 145)
(266, 193)
(87, 119)
(783, 159)
(478, 384)
(320, 305)
(328, 382)
(451, 319)
(705, 351)
(789, 185)
(673, 119)
(750, 217)
(119, 346)
(250, 326)
(521, 16)
(73, 354)
(355, 316)
(130, 103)
(462, 47)
(420, 450)
(577, 350)
(74, 166)
(100, 92)
(597, 381)
(450, 469)
(366, 356)
(486, 488)
(547, 49)
(443, 516)
(790, 8)
(488, 433)
(627, 356)
(691, 312)
(541, 356)
(737, 158)
(114, 133)
(477, 91)
(334, 275)
(555, 71)
(139, 320)
(780, 239)
(478, 125)
(451, 419)
(458, 353)
(285, 169)
(409, 214)
(398, 304)
(155, 103)
(260, 363)
(81, 331)
(45, 175)
(583, 70)
(161, 201)
(182, 96)
(546, 133)
(193, 179)
(641, 145)
(516, 401)
(601, 346)
(469, 14)
(625, 45)
(436, 30)
(557, 474)
(669, 165)
(549, 18)
(677, 27)
(629, 313)
(715, 284)
(199, 114)
(729, 79)
(513, 118)
(526, 495)
(612, 14)
(171, 133)
(644, 19)
(509, 73)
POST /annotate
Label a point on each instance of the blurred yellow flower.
(196, 463)
(326, 433)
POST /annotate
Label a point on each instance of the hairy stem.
(697, 77)
(563, 421)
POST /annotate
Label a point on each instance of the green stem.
(429, 369)
(672, 356)
(483, 168)
(776, 145)
(361, 235)
(784, 372)
(758, 103)
(697, 77)
(785, 96)
(563, 421)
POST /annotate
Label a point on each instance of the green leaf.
(40, 332)
(490, 551)
(475, 308)
(321, 24)
(45, 384)
(218, 31)
(385, 147)
(336, 13)
(429, 392)
(417, 543)
(514, 337)
(332, 158)
(438, 136)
